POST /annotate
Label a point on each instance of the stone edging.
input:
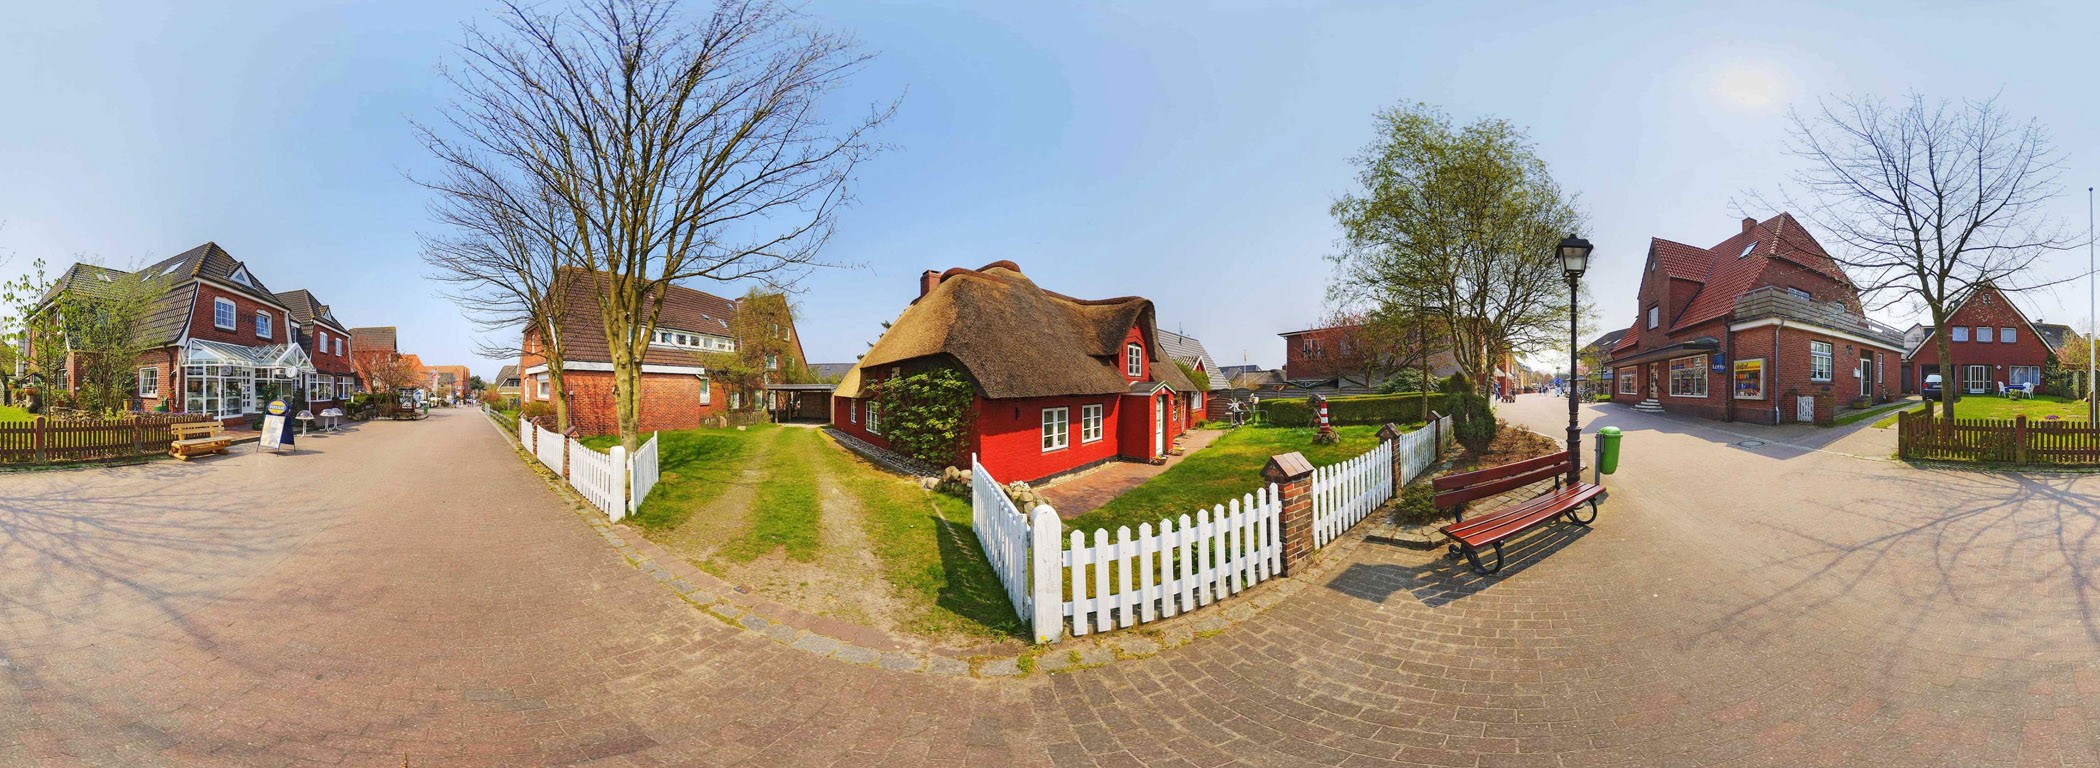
(829, 638)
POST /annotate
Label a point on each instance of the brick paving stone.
(1784, 604)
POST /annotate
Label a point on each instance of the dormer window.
(240, 275)
(1134, 360)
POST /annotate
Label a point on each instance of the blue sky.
(1184, 152)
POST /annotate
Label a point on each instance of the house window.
(545, 388)
(222, 314)
(216, 389)
(1961, 333)
(1196, 400)
(1654, 316)
(1688, 376)
(1819, 361)
(772, 363)
(1628, 385)
(707, 391)
(1089, 423)
(240, 275)
(1134, 361)
(1799, 294)
(1750, 379)
(1983, 334)
(345, 385)
(339, 345)
(1057, 428)
(149, 382)
(2005, 335)
(2028, 375)
(262, 325)
(874, 419)
(853, 411)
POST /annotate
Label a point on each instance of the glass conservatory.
(227, 380)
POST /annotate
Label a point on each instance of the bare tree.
(681, 147)
(1926, 201)
(1460, 221)
(503, 259)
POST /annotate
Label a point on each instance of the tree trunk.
(1950, 376)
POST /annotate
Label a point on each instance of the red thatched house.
(1061, 383)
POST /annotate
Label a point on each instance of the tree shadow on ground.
(1448, 578)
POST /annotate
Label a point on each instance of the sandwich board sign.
(276, 429)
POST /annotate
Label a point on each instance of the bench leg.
(1577, 517)
(1473, 558)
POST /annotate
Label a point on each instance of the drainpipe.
(1772, 373)
(1728, 379)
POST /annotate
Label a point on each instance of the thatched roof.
(1018, 340)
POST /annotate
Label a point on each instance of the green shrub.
(927, 414)
(536, 409)
(1353, 410)
(1471, 414)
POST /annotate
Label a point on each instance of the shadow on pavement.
(1448, 579)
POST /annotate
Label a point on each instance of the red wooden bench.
(1469, 536)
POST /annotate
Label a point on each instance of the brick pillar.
(1292, 475)
(1387, 434)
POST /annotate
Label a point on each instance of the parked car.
(1932, 386)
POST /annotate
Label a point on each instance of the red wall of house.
(1144, 366)
(1010, 438)
(1786, 378)
(1316, 363)
(244, 310)
(669, 401)
(1993, 311)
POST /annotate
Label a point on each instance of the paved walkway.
(413, 592)
(1088, 491)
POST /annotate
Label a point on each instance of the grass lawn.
(1994, 407)
(11, 413)
(1229, 468)
(694, 467)
(785, 513)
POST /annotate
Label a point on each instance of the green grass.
(1226, 470)
(695, 466)
(1888, 409)
(2036, 408)
(11, 413)
(785, 513)
(928, 552)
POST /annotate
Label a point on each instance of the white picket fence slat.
(548, 448)
(641, 474)
(600, 478)
(1183, 566)
(1003, 533)
(1344, 494)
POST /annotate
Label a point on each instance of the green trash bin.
(1608, 449)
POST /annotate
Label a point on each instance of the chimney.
(1748, 224)
(927, 280)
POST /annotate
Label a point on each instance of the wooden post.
(2020, 438)
(1046, 588)
(1389, 434)
(37, 440)
(1292, 476)
(619, 462)
(138, 437)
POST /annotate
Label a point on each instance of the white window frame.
(853, 410)
(874, 419)
(1134, 360)
(1195, 400)
(1961, 333)
(233, 315)
(2011, 372)
(1698, 366)
(2005, 335)
(1056, 428)
(1629, 380)
(1825, 356)
(1654, 316)
(1984, 386)
(1090, 422)
(707, 391)
(1985, 334)
(149, 381)
(1736, 370)
(338, 346)
(546, 387)
(264, 326)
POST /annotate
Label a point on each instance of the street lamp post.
(1574, 260)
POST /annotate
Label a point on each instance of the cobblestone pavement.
(412, 592)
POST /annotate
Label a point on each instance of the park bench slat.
(1491, 529)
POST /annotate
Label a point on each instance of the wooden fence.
(2018, 440)
(41, 440)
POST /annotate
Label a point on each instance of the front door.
(1866, 374)
(1976, 379)
(1159, 426)
(1652, 388)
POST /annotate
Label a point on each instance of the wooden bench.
(197, 438)
(1469, 536)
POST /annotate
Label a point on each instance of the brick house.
(372, 346)
(1763, 327)
(328, 345)
(676, 390)
(1993, 343)
(1061, 384)
(443, 380)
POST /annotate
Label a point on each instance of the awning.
(281, 356)
(1698, 346)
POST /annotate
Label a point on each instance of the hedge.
(1353, 409)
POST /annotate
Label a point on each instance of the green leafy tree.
(97, 317)
(927, 414)
(766, 350)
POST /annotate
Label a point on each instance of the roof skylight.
(1747, 249)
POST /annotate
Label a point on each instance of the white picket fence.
(1130, 581)
(613, 482)
(1343, 494)
(1003, 533)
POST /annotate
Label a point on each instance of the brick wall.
(669, 401)
(1991, 310)
(1315, 362)
(244, 309)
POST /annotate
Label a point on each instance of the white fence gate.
(641, 474)
(1343, 494)
(1184, 566)
(1003, 533)
(600, 478)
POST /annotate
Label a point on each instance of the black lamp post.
(1574, 260)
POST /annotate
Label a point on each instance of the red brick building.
(676, 390)
(1993, 343)
(1061, 383)
(328, 346)
(222, 342)
(1763, 327)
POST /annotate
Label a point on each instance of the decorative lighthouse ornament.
(1325, 435)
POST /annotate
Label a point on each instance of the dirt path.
(723, 517)
(845, 581)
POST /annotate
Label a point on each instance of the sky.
(1184, 152)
